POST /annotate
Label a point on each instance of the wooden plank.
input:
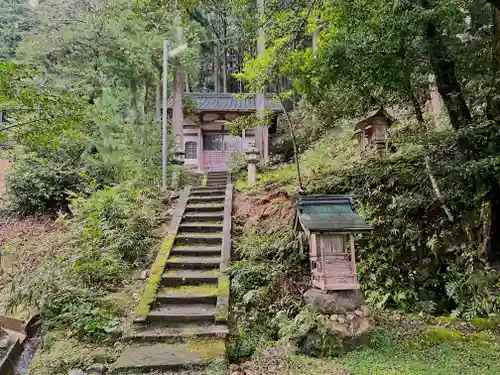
(353, 255)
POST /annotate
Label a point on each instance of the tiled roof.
(213, 101)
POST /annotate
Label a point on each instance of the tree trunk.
(177, 114)
(187, 81)
(217, 66)
(493, 104)
(224, 68)
(492, 236)
(224, 72)
(448, 86)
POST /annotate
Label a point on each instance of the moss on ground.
(151, 289)
(486, 323)
(209, 349)
(438, 333)
(59, 353)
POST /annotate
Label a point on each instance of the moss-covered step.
(198, 239)
(205, 293)
(217, 217)
(196, 312)
(203, 226)
(193, 262)
(196, 250)
(161, 356)
(205, 207)
(180, 332)
(206, 199)
(189, 277)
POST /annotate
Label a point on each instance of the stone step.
(207, 199)
(207, 191)
(215, 207)
(176, 333)
(189, 277)
(198, 239)
(200, 227)
(162, 356)
(216, 185)
(193, 262)
(195, 312)
(217, 181)
(203, 293)
(196, 250)
(215, 217)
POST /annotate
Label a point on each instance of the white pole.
(164, 115)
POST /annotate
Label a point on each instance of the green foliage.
(263, 284)
(37, 184)
(309, 331)
(117, 220)
(442, 334)
(237, 161)
(82, 314)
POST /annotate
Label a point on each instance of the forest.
(82, 209)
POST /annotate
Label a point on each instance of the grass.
(330, 153)
(444, 358)
(405, 347)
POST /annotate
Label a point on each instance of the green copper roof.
(330, 213)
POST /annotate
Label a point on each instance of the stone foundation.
(349, 317)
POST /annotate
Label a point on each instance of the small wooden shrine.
(330, 222)
(372, 131)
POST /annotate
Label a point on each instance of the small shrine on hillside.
(330, 222)
(372, 131)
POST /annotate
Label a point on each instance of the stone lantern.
(330, 222)
(252, 158)
(177, 155)
(177, 159)
(372, 131)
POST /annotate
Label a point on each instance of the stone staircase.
(182, 324)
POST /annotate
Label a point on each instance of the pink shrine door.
(217, 149)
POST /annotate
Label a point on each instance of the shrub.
(37, 184)
(237, 161)
(117, 220)
(97, 268)
(82, 313)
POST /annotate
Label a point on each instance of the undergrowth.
(417, 258)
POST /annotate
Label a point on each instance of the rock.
(99, 355)
(97, 368)
(365, 310)
(358, 313)
(350, 317)
(341, 319)
(144, 275)
(339, 328)
(364, 326)
(77, 372)
(334, 317)
(334, 302)
(4, 342)
(311, 345)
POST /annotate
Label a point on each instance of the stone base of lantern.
(349, 317)
(334, 302)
